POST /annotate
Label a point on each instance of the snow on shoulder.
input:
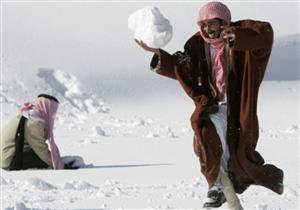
(70, 88)
(150, 26)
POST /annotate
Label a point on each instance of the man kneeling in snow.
(23, 139)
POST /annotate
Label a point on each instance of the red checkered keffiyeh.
(214, 10)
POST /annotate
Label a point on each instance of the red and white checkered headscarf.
(209, 11)
(213, 10)
(47, 109)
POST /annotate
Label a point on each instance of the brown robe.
(245, 63)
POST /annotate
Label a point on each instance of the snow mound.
(70, 88)
(170, 133)
(36, 183)
(288, 191)
(261, 207)
(292, 129)
(18, 206)
(150, 26)
(3, 181)
(98, 131)
(21, 206)
(198, 182)
(138, 122)
(152, 135)
(3, 97)
(79, 185)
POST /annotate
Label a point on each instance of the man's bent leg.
(208, 148)
(228, 190)
(31, 160)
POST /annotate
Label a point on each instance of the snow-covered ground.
(128, 127)
(138, 153)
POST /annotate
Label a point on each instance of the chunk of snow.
(20, 206)
(79, 185)
(3, 181)
(170, 133)
(261, 207)
(152, 135)
(150, 26)
(198, 182)
(167, 196)
(36, 183)
(288, 191)
(98, 131)
(138, 122)
(292, 129)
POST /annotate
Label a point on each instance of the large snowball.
(150, 26)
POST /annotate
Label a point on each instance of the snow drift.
(69, 87)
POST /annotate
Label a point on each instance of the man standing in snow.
(221, 69)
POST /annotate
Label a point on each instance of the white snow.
(139, 155)
(127, 128)
(69, 87)
(78, 185)
(150, 26)
(19, 206)
(37, 184)
(98, 131)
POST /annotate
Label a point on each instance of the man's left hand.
(70, 165)
(228, 33)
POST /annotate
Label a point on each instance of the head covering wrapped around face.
(213, 10)
(47, 107)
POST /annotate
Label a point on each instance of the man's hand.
(146, 47)
(228, 33)
(70, 165)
